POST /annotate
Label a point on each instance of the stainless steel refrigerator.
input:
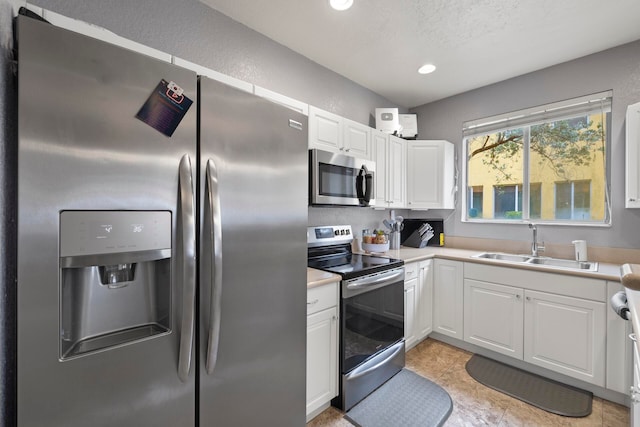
(161, 254)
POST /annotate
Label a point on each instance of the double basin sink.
(564, 264)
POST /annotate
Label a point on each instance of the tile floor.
(477, 405)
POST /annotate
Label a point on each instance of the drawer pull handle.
(315, 301)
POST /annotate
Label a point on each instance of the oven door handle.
(364, 370)
(385, 278)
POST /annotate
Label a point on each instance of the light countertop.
(605, 271)
(319, 278)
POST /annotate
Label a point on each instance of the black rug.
(544, 393)
(406, 400)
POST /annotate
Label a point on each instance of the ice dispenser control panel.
(106, 232)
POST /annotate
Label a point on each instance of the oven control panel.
(329, 235)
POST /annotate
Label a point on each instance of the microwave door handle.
(212, 204)
(187, 214)
(364, 185)
(368, 178)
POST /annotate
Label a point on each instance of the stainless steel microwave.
(338, 179)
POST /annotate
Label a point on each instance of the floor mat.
(544, 393)
(406, 400)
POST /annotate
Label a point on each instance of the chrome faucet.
(536, 248)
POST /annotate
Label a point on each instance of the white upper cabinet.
(325, 130)
(632, 177)
(331, 132)
(357, 139)
(430, 175)
(390, 155)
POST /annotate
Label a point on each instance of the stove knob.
(337, 232)
(347, 232)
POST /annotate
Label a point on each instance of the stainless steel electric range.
(372, 346)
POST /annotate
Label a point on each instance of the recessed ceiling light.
(341, 4)
(427, 68)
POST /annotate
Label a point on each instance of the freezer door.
(103, 319)
(253, 219)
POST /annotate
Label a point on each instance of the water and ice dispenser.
(115, 279)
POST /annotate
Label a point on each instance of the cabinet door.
(430, 175)
(425, 299)
(325, 130)
(396, 172)
(565, 335)
(379, 143)
(357, 139)
(632, 177)
(448, 298)
(493, 317)
(410, 338)
(322, 358)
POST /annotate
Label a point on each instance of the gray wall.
(192, 31)
(617, 69)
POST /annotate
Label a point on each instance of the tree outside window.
(550, 168)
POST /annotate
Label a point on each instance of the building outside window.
(573, 200)
(546, 164)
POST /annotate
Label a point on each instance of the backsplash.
(358, 218)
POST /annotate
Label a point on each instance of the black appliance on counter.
(372, 346)
(410, 233)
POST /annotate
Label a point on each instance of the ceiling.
(380, 44)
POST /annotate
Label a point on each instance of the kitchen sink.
(503, 257)
(564, 264)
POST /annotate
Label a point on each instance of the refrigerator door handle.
(215, 236)
(187, 214)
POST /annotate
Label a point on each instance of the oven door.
(372, 316)
(337, 179)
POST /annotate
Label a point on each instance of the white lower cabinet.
(418, 302)
(322, 347)
(424, 323)
(493, 317)
(448, 297)
(410, 311)
(566, 335)
(534, 322)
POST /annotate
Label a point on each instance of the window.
(507, 201)
(573, 200)
(475, 202)
(545, 163)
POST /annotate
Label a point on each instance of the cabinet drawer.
(410, 271)
(322, 297)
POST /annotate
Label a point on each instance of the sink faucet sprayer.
(536, 248)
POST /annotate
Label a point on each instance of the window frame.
(524, 119)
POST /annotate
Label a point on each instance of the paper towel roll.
(619, 305)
